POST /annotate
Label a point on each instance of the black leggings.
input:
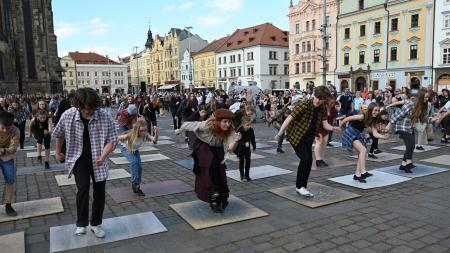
(374, 145)
(304, 152)
(245, 159)
(21, 128)
(408, 139)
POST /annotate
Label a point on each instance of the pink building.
(305, 42)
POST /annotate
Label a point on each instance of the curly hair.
(217, 131)
(86, 97)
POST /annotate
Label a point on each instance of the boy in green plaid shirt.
(302, 127)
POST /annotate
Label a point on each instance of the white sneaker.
(80, 231)
(304, 192)
(98, 231)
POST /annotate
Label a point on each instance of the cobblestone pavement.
(413, 216)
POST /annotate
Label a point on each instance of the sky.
(114, 27)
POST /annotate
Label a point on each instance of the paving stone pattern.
(408, 217)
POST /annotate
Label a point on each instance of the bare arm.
(283, 127)
(376, 134)
(351, 118)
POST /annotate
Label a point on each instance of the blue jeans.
(135, 164)
(280, 142)
(9, 171)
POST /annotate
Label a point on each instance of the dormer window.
(273, 38)
(245, 33)
(239, 42)
(255, 30)
(251, 39)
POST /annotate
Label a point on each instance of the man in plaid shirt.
(303, 126)
(90, 136)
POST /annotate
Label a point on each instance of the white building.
(257, 56)
(186, 70)
(441, 59)
(100, 73)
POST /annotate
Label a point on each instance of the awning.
(167, 87)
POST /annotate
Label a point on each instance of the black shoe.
(140, 193)
(366, 175)
(135, 188)
(248, 178)
(155, 142)
(429, 140)
(377, 151)
(224, 205)
(359, 179)
(242, 177)
(10, 211)
(279, 150)
(405, 168)
(371, 155)
(321, 163)
(39, 159)
(46, 165)
(420, 148)
(411, 166)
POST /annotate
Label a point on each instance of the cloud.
(212, 20)
(184, 6)
(225, 5)
(93, 27)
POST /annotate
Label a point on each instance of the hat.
(221, 114)
(132, 110)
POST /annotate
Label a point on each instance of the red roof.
(90, 58)
(265, 34)
(213, 46)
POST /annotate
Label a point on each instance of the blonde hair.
(134, 133)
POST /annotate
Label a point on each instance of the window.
(414, 20)
(346, 58)
(303, 67)
(361, 4)
(272, 55)
(313, 25)
(286, 56)
(377, 27)
(239, 57)
(220, 60)
(297, 48)
(297, 28)
(394, 24)
(250, 56)
(308, 46)
(347, 33)
(286, 70)
(393, 53)
(308, 67)
(70, 73)
(327, 20)
(447, 21)
(239, 72)
(220, 73)
(273, 70)
(250, 71)
(413, 52)
(362, 55)
(224, 73)
(303, 47)
(297, 68)
(307, 26)
(376, 55)
(446, 56)
(362, 30)
(224, 60)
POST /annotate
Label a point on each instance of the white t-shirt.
(137, 144)
(447, 106)
(234, 107)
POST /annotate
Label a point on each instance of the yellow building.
(69, 76)
(205, 64)
(157, 69)
(384, 43)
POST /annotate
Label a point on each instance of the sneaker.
(304, 192)
(10, 211)
(279, 150)
(98, 231)
(420, 148)
(140, 193)
(46, 165)
(371, 155)
(377, 151)
(80, 231)
(39, 159)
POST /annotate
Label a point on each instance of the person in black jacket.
(243, 147)
(175, 102)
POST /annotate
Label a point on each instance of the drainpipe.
(432, 49)
(387, 42)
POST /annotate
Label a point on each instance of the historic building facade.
(95, 71)
(205, 64)
(305, 42)
(257, 56)
(29, 60)
(383, 43)
(69, 76)
(441, 55)
(186, 70)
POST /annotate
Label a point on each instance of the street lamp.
(189, 45)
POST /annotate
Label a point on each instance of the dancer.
(443, 118)
(354, 136)
(278, 120)
(150, 111)
(403, 127)
(302, 125)
(130, 144)
(420, 119)
(9, 138)
(21, 114)
(90, 136)
(322, 138)
(243, 151)
(41, 128)
(214, 136)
